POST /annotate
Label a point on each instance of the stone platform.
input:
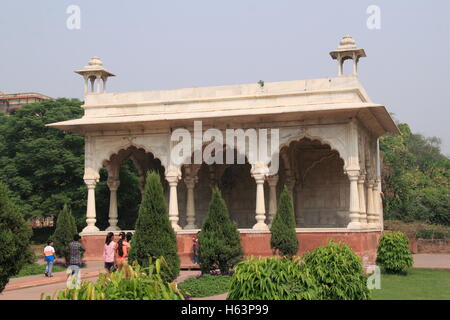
(257, 243)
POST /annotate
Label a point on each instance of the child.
(49, 253)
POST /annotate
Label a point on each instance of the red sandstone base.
(364, 244)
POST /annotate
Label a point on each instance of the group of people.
(74, 259)
(115, 254)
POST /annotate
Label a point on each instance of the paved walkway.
(31, 287)
(432, 261)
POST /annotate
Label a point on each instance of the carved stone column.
(354, 200)
(362, 201)
(272, 181)
(259, 173)
(173, 175)
(299, 219)
(90, 209)
(113, 185)
(190, 180)
(378, 202)
(371, 213)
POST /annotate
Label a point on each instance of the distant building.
(13, 101)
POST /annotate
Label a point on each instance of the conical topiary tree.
(154, 236)
(15, 236)
(219, 240)
(65, 230)
(284, 238)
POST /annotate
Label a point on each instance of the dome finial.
(347, 49)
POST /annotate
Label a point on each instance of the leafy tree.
(43, 167)
(15, 235)
(416, 178)
(64, 232)
(154, 236)
(284, 238)
(219, 240)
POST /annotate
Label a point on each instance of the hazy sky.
(175, 44)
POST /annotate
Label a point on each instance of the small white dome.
(346, 43)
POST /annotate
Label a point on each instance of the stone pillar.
(354, 200)
(259, 173)
(172, 177)
(190, 182)
(362, 201)
(299, 219)
(113, 185)
(86, 85)
(90, 210)
(99, 90)
(142, 184)
(371, 214)
(272, 181)
(290, 184)
(378, 202)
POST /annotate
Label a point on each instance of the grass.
(205, 286)
(35, 268)
(418, 284)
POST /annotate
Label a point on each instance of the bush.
(219, 240)
(393, 254)
(132, 283)
(284, 238)
(338, 272)
(154, 236)
(206, 285)
(271, 279)
(64, 232)
(15, 236)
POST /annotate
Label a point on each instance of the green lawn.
(35, 268)
(419, 284)
(205, 286)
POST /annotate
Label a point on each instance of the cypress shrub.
(219, 240)
(338, 272)
(271, 279)
(154, 236)
(393, 253)
(284, 238)
(64, 232)
(15, 236)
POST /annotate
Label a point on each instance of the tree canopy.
(416, 178)
(43, 167)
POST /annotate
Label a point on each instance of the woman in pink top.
(108, 251)
(122, 247)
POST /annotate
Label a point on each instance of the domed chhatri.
(95, 71)
(347, 49)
